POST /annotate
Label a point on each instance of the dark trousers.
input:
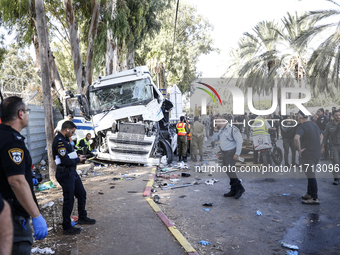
(22, 239)
(235, 183)
(289, 143)
(72, 187)
(182, 143)
(312, 187)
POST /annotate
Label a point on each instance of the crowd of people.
(308, 139)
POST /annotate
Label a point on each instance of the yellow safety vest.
(181, 128)
(86, 143)
(259, 127)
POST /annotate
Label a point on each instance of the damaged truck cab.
(129, 117)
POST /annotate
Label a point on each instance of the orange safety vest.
(189, 135)
(181, 128)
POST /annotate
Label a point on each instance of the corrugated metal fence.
(35, 132)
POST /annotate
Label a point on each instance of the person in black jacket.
(66, 160)
(288, 133)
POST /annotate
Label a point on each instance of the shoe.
(239, 193)
(306, 197)
(86, 221)
(311, 201)
(230, 194)
(72, 231)
(179, 159)
(185, 159)
(336, 181)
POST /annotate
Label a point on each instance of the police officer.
(307, 142)
(66, 160)
(197, 131)
(332, 132)
(16, 185)
(231, 146)
(182, 129)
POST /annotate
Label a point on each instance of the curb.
(170, 225)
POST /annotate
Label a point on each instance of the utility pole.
(45, 76)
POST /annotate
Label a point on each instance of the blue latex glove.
(40, 227)
(35, 181)
(72, 143)
(259, 213)
(204, 242)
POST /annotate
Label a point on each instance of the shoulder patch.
(62, 151)
(16, 155)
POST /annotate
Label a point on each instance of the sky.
(232, 18)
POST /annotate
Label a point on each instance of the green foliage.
(17, 70)
(15, 17)
(192, 39)
(134, 21)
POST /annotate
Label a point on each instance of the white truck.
(129, 117)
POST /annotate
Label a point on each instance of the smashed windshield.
(132, 92)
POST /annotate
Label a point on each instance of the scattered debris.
(112, 187)
(290, 252)
(43, 162)
(289, 246)
(174, 180)
(51, 203)
(182, 196)
(204, 242)
(132, 191)
(208, 204)
(258, 213)
(101, 193)
(285, 194)
(206, 209)
(211, 181)
(156, 199)
(45, 186)
(181, 186)
(186, 175)
(42, 251)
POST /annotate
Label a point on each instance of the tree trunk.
(74, 41)
(131, 58)
(111, 46)
(90, 45)
(43, 50)
(56, 82)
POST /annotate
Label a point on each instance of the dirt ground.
(101, 180)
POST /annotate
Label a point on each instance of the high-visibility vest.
(189, 135)
(86, 142)
(181, 128)
(260, 127)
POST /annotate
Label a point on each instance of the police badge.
(17, 155)
(62, 151)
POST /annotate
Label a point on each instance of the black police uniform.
(15, 159)
(69, 180)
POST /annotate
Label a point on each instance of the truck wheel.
(165, 146)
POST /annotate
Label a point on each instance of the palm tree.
(294, 57)
(259, 54)
(324, 63)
